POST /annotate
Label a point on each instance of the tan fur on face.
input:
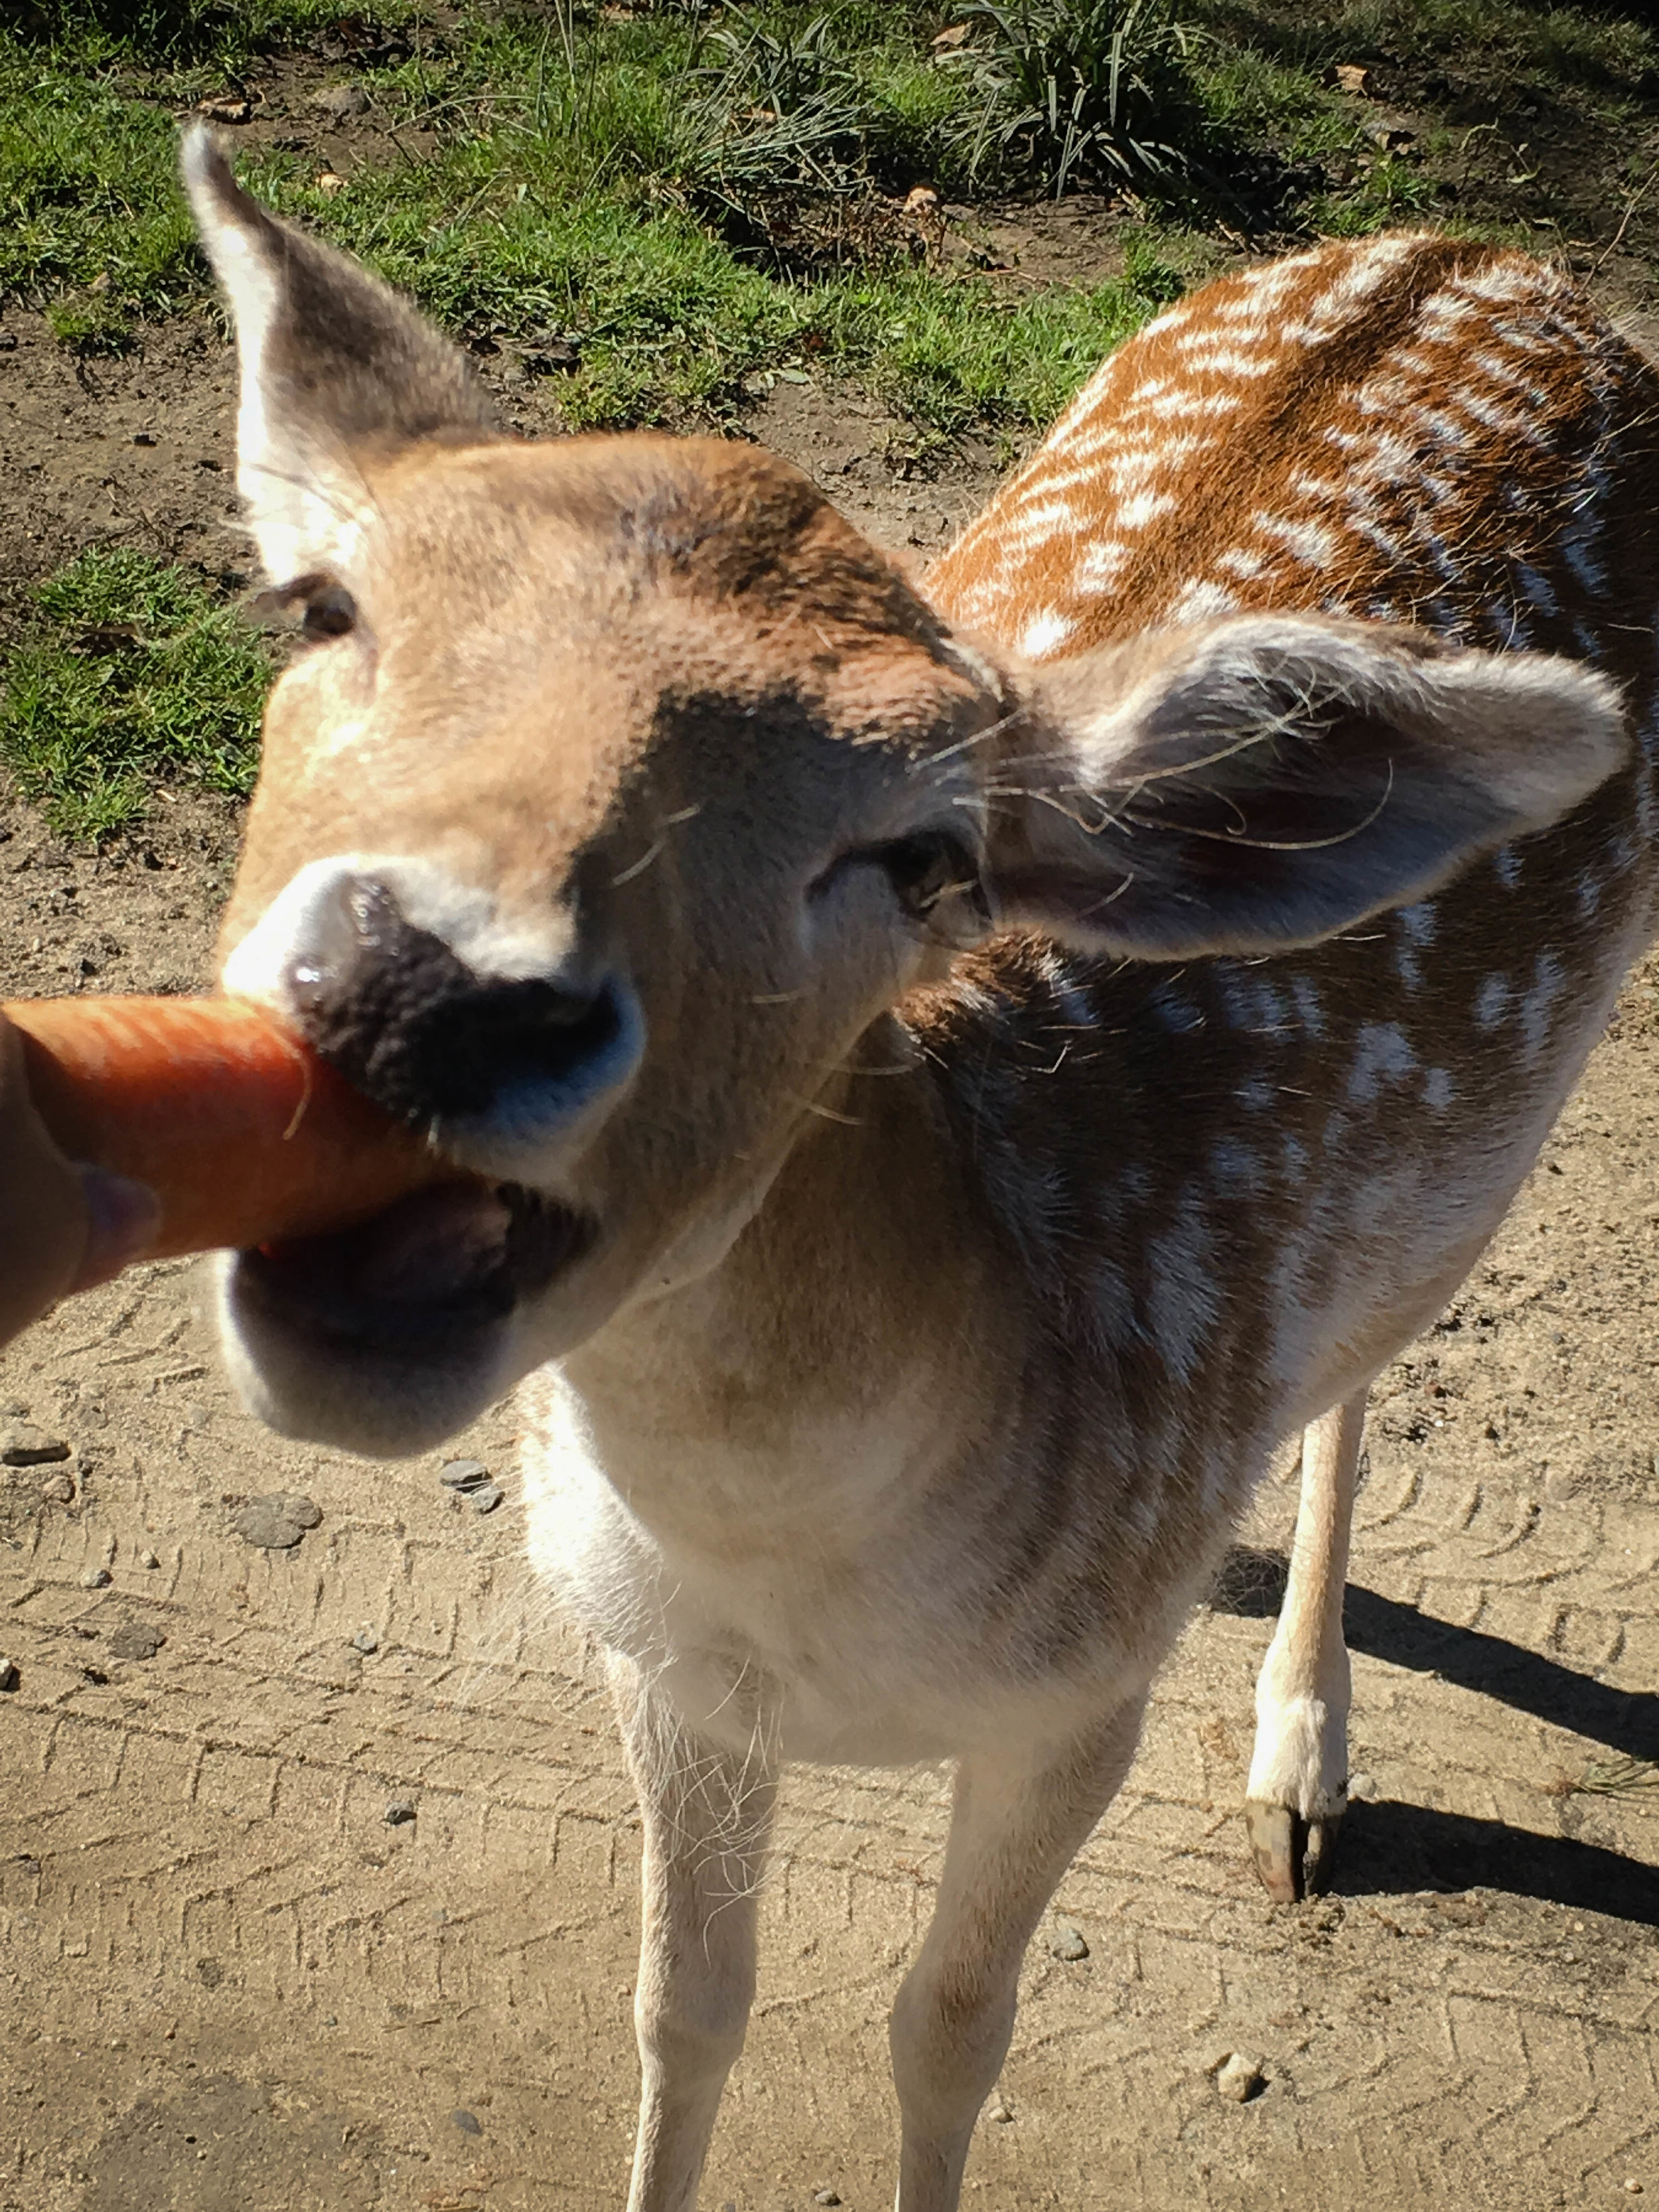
(538, 605)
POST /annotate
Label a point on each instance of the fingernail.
(124, 1219)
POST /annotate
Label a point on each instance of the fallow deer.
(955, 1071)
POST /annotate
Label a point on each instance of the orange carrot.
(245, 1136)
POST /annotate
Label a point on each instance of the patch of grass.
(178, 32)
(569, 194)
(133, 672)
(1388, 193)
(1608, 50)
(1074, 89)
(693, 193)
(957, 353)
(89, 326)
(87, 190)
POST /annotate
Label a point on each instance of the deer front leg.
(1016, 1825)
(1298, 1787)
(707, 1814)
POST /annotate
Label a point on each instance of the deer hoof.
(1293, 1857)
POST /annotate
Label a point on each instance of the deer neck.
(866, 1300)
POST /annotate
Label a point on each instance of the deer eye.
(926, 869)
(329, 612)
(932, 875)
(326, 609)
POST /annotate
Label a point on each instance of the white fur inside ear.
(305, 508)
(1541, 732)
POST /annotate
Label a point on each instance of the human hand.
(63, 1227)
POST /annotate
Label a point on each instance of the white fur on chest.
(782, 1594)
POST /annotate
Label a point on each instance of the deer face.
(595, 859)
(618, 788)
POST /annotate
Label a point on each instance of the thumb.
(123, 1218)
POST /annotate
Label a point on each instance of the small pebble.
(1240, 2078)
(136, 1639)
(468, 2122)
(399, 1813)
(276, 1523)
(365, 1640)
(462, 1473)
(148, 1559)
(825, 2197)
(487, 1499)
(1067, 1941)
(1633, 2188)
(57, 1490)
(95, 1579)
(21, 1444)
(9, 1677)
(341, 100)
(143, 437)
(999, 2112)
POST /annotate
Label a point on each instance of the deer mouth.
(436, 1270)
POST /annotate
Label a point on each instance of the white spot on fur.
(1310, 543)
(1492, 1000)
(1238, 561)
(1201, 599)
(1438, 1089)
(1140, 508)
(1174, 1011)
(1383, 1053)
(1179, 405)
(1234, 1167)
(1226, 361)
(1045, 632)
(1309, 1013)
(1548, 976)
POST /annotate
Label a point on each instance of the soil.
(331, 1900)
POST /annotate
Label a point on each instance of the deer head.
(618, 788)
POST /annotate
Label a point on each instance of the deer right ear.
(334, 367)
(1262, 782)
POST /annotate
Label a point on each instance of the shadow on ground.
(1387, 1847)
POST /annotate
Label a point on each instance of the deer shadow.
(1388, 1846)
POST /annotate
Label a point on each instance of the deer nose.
(425, 1035)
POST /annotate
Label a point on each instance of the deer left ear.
(1255, 784)
(334, 367)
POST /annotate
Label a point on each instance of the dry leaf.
(1352, 76)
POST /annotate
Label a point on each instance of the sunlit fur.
(953, 1273)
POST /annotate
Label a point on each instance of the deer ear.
(1263, 782)
(334, 367)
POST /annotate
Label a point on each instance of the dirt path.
(330, 1901)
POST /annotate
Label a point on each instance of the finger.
(122, 1219)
